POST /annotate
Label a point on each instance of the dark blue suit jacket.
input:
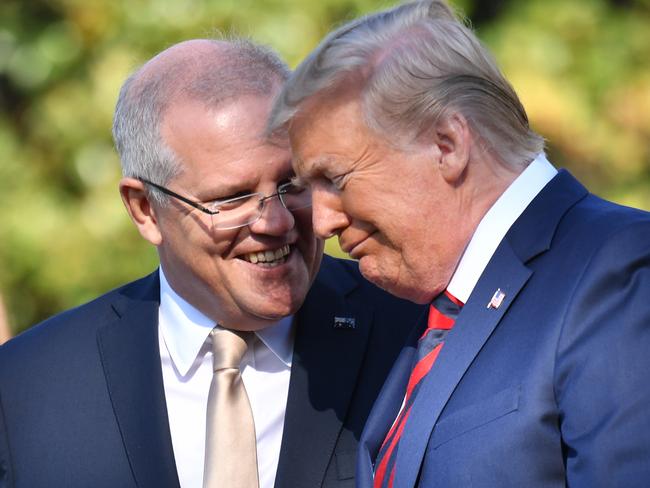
(551, 388)
(82, 401)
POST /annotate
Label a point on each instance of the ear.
(453, 138)
(142, 213)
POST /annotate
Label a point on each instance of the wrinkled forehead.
(329, 129)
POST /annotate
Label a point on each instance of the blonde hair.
(417, 62)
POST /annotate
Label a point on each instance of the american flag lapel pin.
(344, 323)
(497, 299)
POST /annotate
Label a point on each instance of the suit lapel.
(131, 360)
(530, 236)
(473, 327)
(324, 371)
(386, 408)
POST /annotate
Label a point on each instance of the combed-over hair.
(417, 63)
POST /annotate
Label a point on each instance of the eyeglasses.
(244, 210)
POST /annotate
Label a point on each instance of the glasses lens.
(295, 197)
(237, 212)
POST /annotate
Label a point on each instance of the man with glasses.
(222, 368)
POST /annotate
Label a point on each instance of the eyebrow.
(233, 188)
(220, 191)
(317, 166)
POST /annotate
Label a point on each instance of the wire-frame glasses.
(244, 210)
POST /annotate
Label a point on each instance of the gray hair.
(210, 71)
(417, 63)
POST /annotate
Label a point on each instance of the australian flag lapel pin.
(344, 323)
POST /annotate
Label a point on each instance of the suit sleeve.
(602, 377)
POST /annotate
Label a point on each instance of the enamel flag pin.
(344, 323)
(497, 299)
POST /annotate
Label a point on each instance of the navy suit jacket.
(551, 388)
(82, 401)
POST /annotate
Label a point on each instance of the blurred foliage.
(582, 68)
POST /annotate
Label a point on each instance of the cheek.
(210, 257)
(416, 250)
(302, 219)
(307, 240)
(399, 257)
(375, 202)
(220, 243)
(358, 200)
(383, 261)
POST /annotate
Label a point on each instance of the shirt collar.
(185, 329)
(279, 339)
(496, 223)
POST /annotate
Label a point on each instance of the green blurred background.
(581, 67)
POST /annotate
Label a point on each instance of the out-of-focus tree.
(582, 68)
(5, 331)
(583, 71)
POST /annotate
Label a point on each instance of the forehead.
(224, 145)
(326, 134)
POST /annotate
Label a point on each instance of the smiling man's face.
(244, 278)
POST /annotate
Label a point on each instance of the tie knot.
(228, 348)
(443, 311)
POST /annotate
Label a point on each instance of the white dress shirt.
(186, 359)
(495, 225)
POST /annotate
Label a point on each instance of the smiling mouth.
(269, 258)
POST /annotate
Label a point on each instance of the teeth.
(268, 257)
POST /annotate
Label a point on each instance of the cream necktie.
(230, 448)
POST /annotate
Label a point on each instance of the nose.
(328, 217)
(275, 220)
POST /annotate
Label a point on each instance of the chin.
(395, 287)
(277, 307)
(263, 320)
(411, 294)
(375, 275)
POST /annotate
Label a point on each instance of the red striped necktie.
(442, 314)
